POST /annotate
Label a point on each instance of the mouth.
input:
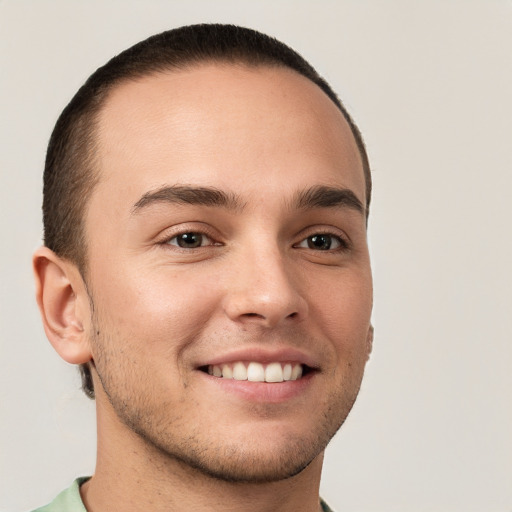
(253, 371)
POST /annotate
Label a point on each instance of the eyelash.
(168, 241)
(343, 244)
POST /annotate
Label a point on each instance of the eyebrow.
(179, 194)
(319, 196)
(328, 197)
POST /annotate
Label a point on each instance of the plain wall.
(429, 83)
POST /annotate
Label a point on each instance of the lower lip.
(263, 392)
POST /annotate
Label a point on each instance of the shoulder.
(68, 500)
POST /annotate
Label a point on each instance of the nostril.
(260, 316)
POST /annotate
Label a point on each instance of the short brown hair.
(70, 173)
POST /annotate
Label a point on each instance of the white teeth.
(296, 372)
(287, 371)
(227, 372)
(239, 371)
(257, 372)
(274, 373)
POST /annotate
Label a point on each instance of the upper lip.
(262, 355)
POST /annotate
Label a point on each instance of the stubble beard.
(167, 442)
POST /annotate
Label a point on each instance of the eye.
(190, 240)
(322, 242)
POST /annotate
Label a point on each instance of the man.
(205, 262)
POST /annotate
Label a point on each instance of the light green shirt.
(69, 500)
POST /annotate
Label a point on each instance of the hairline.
(93, 116)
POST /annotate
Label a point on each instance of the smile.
(257, 372)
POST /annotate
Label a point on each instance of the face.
(228, 268)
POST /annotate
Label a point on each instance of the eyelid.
(190, 227)
(344, 240)
(341, 243)
(203, 235)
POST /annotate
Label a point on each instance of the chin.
(257, 466)
(249, 457)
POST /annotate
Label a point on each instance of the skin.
(151, 315)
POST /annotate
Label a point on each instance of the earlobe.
(59, 290)
(369, 341)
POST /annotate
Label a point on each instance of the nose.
(264, 290)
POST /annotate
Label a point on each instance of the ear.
(369, 342)
(64, 305)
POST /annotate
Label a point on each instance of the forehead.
(225, 125)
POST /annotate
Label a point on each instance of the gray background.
(429, 83)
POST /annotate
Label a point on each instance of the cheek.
(164, 306)
(150, 318)
(342, 308)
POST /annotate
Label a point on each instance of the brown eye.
(321, 242)
(189, 240)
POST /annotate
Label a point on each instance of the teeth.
(227, 372)
(274, 373)
(296, 372)
(256, 372)
(239, 371)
